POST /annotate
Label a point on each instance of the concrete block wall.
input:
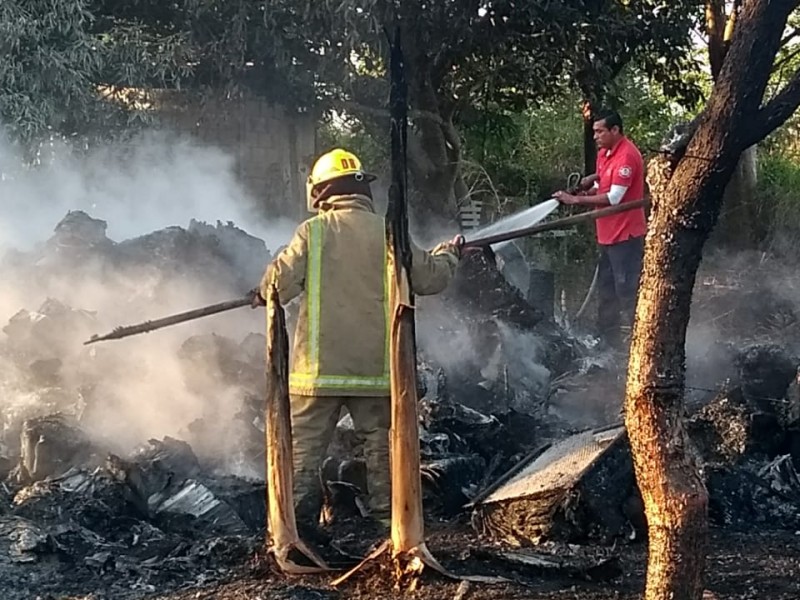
(273, 146)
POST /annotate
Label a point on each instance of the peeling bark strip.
(407, 519)
(285, 543)
(687, 197)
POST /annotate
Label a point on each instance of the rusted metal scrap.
(573, 489)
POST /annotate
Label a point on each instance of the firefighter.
(337, 264)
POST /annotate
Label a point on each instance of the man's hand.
(256, 299)
(566, 198)
(458, 243)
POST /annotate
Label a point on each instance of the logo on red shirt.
(625, 172)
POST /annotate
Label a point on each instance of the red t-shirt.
(622, 165)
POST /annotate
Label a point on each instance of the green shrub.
(779, 188)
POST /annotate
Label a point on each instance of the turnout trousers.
(314, 421)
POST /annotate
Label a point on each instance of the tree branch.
(775, 112)
(731, 23)
(778, 65)
(715, 29)
(790, 36)
(374, 111)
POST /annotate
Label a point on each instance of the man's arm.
(620, 182)
(612, 198)
(432, 271)
(587, 182)
(288, 270)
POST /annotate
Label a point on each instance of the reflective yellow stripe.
(338, 381)
(312, 379)
(313, 290)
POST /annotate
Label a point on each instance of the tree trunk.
(687, 192)
(589, 147)
(740, 220)
(285, 543)
(434, 144)
(434, 155)
(674, 496)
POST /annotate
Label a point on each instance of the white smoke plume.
(152, 181)
(140, 387)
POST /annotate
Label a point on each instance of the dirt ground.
(742, 566)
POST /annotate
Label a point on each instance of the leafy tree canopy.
(464, 57)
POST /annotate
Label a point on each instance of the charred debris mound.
(79, 513)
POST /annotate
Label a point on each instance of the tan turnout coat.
(336, 262)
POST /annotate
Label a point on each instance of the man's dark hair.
(610, 118)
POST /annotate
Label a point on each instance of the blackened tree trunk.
(687, 196)
(589, 146)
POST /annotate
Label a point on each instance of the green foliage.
(56, 60)
(652, 35)
(779, 191)
(514, 160)
(505, 53)
(530, 154)
(646, 111)
(65, 59)
(49, 60)
(352, 135)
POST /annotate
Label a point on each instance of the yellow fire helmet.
(332, 165)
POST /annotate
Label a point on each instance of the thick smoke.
(740, 299)
(148, 385)
(149, 182)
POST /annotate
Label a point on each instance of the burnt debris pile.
(748, 440)
(85, 517)
(87, 501)
(138, 465)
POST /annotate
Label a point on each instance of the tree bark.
(740, 220)
(687, 193)
(589, 146)
(434, 153)
(285, 543)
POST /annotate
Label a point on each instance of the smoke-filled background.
(168, 247)
(161, 225)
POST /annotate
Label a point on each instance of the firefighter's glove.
(458, 245)
(256, 299)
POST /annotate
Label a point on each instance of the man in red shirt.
(618, 178)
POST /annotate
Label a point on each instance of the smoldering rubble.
(85, 508)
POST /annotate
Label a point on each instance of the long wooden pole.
(563, 223)
(407, 543)
(147, 326)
